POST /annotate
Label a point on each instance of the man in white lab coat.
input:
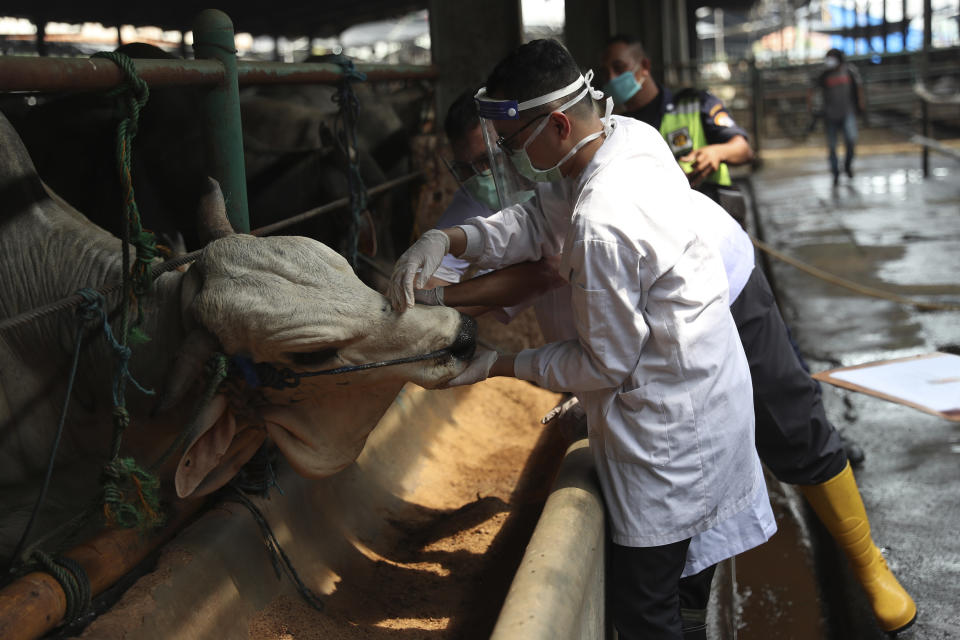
(656, 361)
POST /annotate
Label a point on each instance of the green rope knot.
(72, 578)
(133, 93)
(147, 251)
(130, 497)
(121, 418)
(133, 86)
(216, 369)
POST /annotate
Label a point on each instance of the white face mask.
(523, 165)
(521, 160)
(831, 62)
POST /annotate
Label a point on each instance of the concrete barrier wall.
(215, 580)
(558, 591)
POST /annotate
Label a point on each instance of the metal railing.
(926, 99)
(217, 69)
(23, 73)
(770, 102)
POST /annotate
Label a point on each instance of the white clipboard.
(928, 382)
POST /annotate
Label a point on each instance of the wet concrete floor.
(890, 228)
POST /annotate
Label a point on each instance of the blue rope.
(347, 138)
(86, 312)
(95, 301)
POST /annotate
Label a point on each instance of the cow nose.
(466, 341)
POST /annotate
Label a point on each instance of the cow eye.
(312, 358)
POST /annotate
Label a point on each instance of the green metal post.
(213, 38)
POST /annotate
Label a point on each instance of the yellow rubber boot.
(837, 502)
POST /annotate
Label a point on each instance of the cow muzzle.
(466, 341)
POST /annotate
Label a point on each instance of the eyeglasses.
(463, 171)
(504, 143)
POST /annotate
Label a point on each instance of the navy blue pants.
(794, 438)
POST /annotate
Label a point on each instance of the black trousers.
(646, 592)
(794, 438)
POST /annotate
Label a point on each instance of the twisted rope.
(130, 495)
(133, 94)
(278, 557)
(129, 492)
(258, 475)
(347, 139)
(86, 313)
(853, 286)
(72, 578)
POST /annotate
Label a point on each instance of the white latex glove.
(423, 257)
(432, 297)
(477, 370)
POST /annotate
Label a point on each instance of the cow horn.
(187, 367)
(212, 214)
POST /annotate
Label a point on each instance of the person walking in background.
(842, 94)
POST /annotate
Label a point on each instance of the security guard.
(700, 132)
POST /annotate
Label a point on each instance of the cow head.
(294, 303)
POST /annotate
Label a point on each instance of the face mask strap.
(561, 109)
(597, 94)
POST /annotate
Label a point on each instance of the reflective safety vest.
(682, 128)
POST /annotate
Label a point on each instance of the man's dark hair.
(631, 41)
(836, 53)
(536, 69)
(462, 116)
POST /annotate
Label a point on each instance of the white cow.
(288, 301)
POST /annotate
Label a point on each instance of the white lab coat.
(657, 362)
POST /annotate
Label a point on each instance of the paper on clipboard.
(929, 382)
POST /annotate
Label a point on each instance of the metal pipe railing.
(21, 73)
(213, 39)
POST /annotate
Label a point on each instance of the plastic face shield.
(511, 186)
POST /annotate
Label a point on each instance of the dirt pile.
(477, 497)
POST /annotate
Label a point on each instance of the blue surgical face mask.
(623, 87)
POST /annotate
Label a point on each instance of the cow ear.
(216, 451)
(212, 214)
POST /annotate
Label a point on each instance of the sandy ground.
(445, 576)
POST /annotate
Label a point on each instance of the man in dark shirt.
(842, 94)
(696, 124)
